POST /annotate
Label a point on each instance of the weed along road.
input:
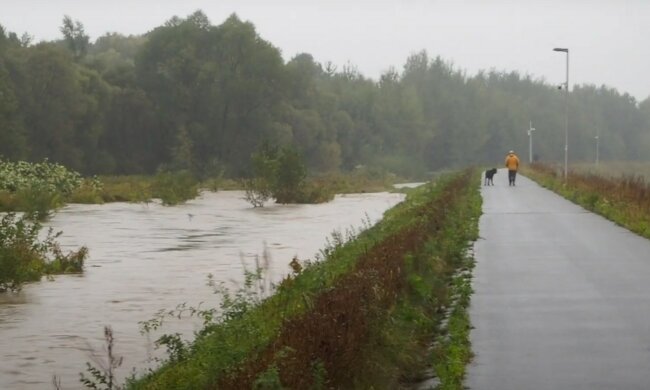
(562, 296)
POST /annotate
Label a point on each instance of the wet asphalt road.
(562, 296)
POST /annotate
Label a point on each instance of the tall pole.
(597, 147)
(566, 114)
(566, 120)
(530, 142)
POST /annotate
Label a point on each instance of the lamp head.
(565, 50)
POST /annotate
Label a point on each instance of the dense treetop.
(193, 95)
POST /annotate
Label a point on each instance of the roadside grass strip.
(624, 200)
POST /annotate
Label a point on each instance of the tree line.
(196, 96)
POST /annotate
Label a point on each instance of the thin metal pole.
(530, 142)
(597, 148)
(566, 120)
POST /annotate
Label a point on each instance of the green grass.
(453, 351)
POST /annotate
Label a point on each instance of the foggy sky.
(607, 39)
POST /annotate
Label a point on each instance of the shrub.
(281, 174)
(15, 176)
(23, 258)
(36, 188)
(175, 187)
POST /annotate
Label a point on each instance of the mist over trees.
(193, 95)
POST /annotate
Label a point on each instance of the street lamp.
(530, 141)
(566, 113)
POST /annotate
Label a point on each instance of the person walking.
(512, 163)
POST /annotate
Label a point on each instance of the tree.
(278, 173)
(290, 176)
(75, 37)
(13, 141)
(182, 151)
(49, 94)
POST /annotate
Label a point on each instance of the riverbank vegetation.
(170, 187)
(369, 312)
(24, 257)
(38, 188)
(624, 199)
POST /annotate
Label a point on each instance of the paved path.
(562, 296)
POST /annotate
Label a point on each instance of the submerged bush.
(175, 187)
(25, 258)
(281, 174)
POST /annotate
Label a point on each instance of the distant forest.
(192, 95)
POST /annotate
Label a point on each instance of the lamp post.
(566, 113)
(530, 142)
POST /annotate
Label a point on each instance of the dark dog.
(489, 174)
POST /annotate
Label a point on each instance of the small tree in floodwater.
(278, 173)
(290, 176)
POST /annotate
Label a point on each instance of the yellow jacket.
(512, 162)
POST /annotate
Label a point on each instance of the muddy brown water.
(144, 258)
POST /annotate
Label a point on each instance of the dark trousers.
(512, 175)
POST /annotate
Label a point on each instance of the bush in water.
(23, 258)
(280, 173)
(175, 187)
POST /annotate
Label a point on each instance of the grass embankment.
(363, 317)
(624, 199)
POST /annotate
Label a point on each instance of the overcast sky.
(608, 40)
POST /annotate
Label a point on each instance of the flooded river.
(144, 258)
